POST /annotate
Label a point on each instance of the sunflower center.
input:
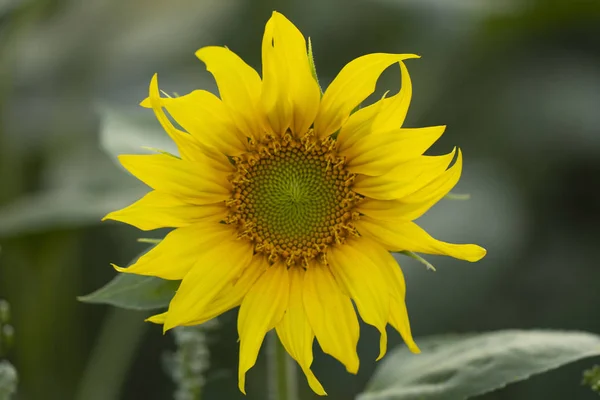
(292, 198)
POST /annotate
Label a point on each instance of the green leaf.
(134, 292)
(462, 366)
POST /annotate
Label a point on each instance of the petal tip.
(157, 318)
(242, 384)
(168, 325)
(412, 346)
(382, 345)
(146, 103)
(354, 366)
(119, 269)
(477, 254)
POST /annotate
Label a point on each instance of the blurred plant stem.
(112, 355)
(282, 376)
(188, 364)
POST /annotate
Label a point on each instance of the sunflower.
(287, 202)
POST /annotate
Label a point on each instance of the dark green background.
(517, 82)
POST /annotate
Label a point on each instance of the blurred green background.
(517, 82)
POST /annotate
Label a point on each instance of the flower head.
(287, 204)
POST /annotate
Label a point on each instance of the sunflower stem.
(282, 376)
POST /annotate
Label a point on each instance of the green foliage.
(8, 380)
(463, 366)
(591, 378)
(6, 330)
(188, 365)
(134, 292)
(8, 373)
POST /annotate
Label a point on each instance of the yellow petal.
(399, 320)
(382, 209)
(355, 82)
(394, 111)
(185, 143)
(175, 255)
(192, 181)
(332, 316)
(274, 99)
(415, 204)
(239, 86)
(262, 309)
(206, 118)
(295, 332)
(397, 288)
(290, 94)
(388, 266)
(213, 270)
(439, 187)
(231, 296)
(358, 125)
(213, 158)
(377, 154)
(162, 210)
(157, 318)
(404, 179)
(404, 235)
(363, 279)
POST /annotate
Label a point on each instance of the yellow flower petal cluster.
(286, 203)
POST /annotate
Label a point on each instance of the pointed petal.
(262, 309)
(175, 255)
(362, 278)
(231, 296)
(377, 154)
(192, 181)
(193, 150)
(399, 320)
(185, 143)
(214, 159)
(439, 187)
(394, 112)
(162, 210)
(355, 82)
(359, 125)
(332, 316)
(157, 318)
(214, 269)
(239, 86)
(415, 204)
(397, 288)
(290, 94)
(404, 179)
(206, 118)
(398, 236)
(295, 332)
